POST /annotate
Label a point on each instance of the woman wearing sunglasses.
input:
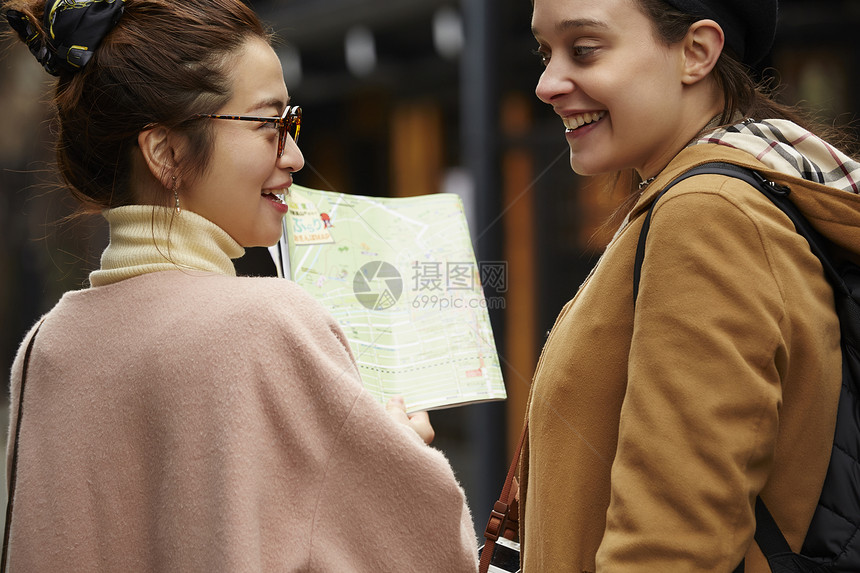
(175, 417)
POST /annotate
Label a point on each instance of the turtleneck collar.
(148, 239)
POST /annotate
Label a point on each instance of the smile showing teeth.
(272, 197)
(576, 121)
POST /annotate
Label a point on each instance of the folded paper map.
(400, 276)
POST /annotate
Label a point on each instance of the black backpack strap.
(768, 536)
(714, 168)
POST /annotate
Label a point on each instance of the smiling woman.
(178, 417)
(654, 426)
(250, 164)
(606, 63)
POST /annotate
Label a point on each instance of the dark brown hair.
(165, 61)
(742, 95)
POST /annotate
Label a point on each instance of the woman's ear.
(157, 145)
(703, 45)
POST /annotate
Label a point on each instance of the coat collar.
(833, 212)
(689, 158)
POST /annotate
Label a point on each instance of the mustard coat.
(651, 433)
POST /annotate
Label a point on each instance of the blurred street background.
(401, 98)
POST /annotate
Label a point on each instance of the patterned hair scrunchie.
(73, 29)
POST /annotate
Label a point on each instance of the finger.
(396, 408)
(420, 422)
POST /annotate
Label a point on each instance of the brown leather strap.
(13, 468)
(504, 518)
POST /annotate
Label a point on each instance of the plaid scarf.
(790, 149)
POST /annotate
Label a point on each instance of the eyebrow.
(577, 23)
(276, 103)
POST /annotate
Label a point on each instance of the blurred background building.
(400, 98)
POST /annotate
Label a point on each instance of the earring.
(176, 196)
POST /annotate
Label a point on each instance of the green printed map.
(400, 276)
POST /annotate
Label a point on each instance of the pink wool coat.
(188, 421)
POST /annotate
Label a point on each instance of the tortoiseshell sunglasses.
(289, 123)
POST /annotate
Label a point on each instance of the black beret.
(749, 25)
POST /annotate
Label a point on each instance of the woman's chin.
(582, 169)
(270, 242)
(268, 239)
(588, 167)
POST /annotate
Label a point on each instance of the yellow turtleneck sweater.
(148, 239)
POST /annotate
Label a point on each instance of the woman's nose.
(553, 82)
(292, 157)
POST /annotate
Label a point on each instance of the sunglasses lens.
(294, 129)
(282, 138)
(289, 126)
(295, 122)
